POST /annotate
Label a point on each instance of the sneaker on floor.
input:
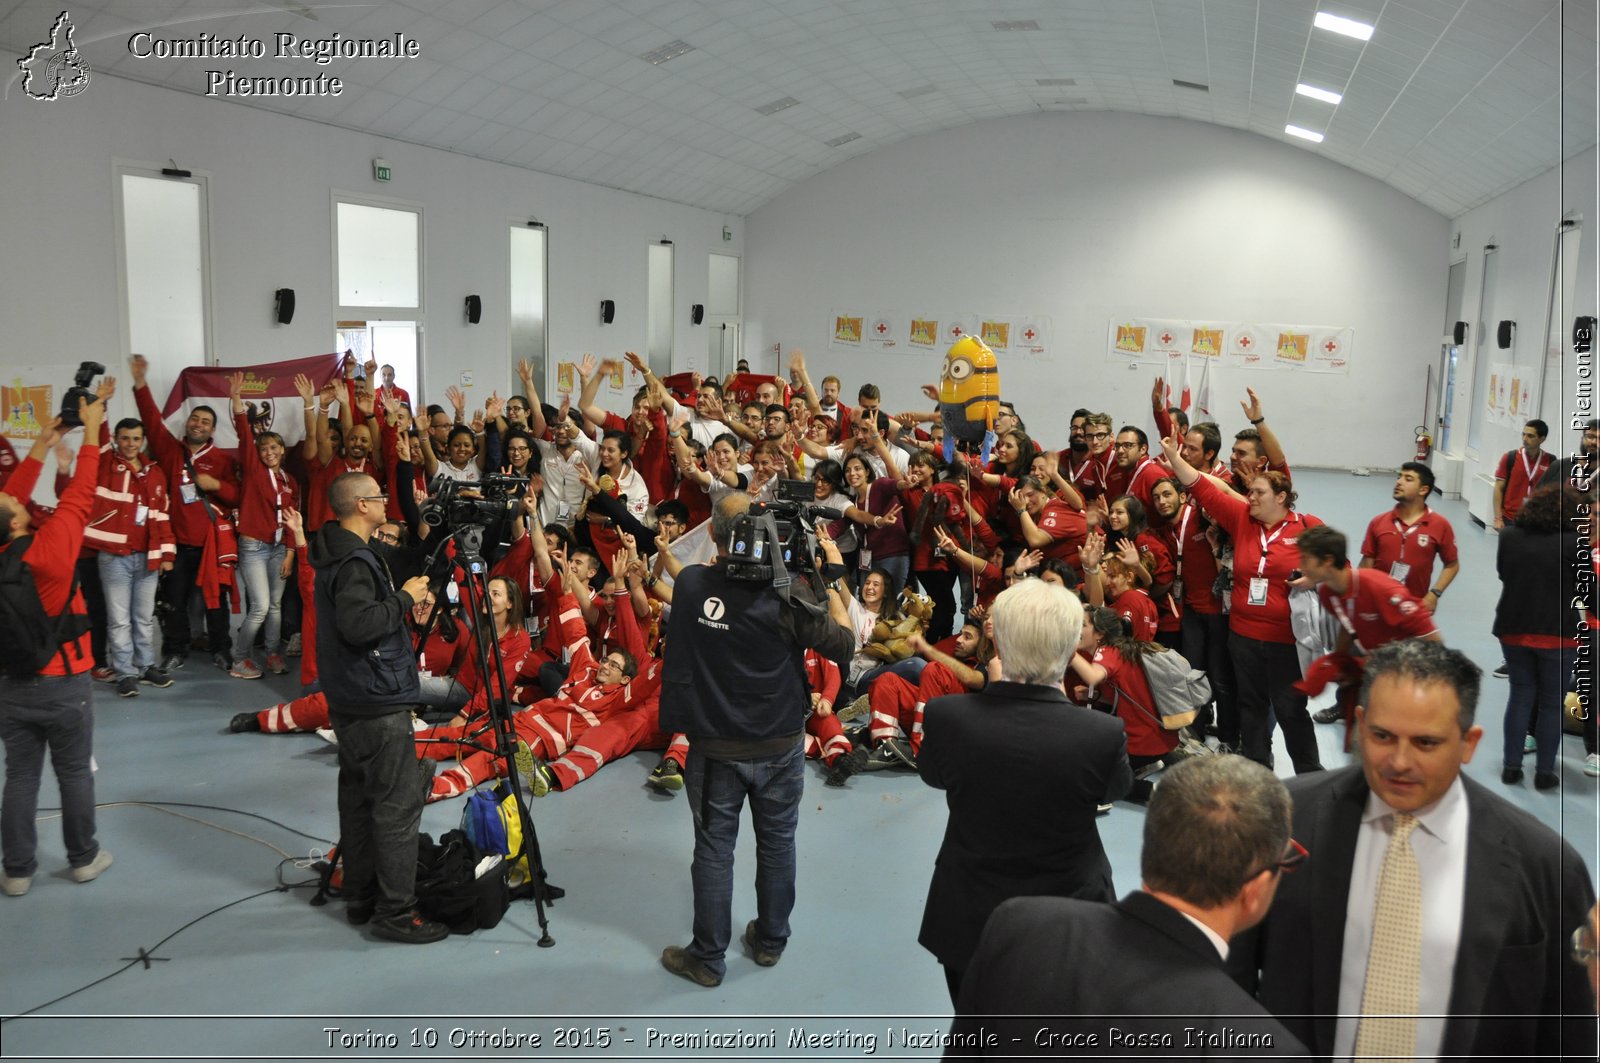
(17, 886)
(1591, 764)
(846, 766)
(327, 735)
(409, 928)
(155, 677)
(900, 750)
(92, 870)
(535, 773)
(225, 663)
(293, 649)
(1528, 744)
(855, 710)
(173, 662)
(881, 758)
(276, 664)
(1331, 714)
(103, 674)
(245, 669)
(677, 959)
(244, 721)
(666, 776)
(1148, 770)
(1504, 671)
(1103, 810)
(128, 687)
(764, 957)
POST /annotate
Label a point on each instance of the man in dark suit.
(1144, 974)
(1498, 894)
(1024, 771)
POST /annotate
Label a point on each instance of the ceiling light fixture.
(1190, 85)
(1304, 134)
(841, 141)
(1055, 81)
(1016, 24)
(667, 51)
(911, 94)
(778, 105)
(1318, 94)
(1347, 26)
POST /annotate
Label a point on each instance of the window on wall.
(379, 252)
(1483, 349)
(659, 322)
(163, 266)
(529, 248)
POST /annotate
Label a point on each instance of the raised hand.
(524, 370)
(329, 394)
(307, 390)
(402, 447)
(370, 369)
(493, 405)
(564, 415)
(931, 391)
(106, 388)
(236, 391)
(637, 363)
(364, 401)
(138, 366)
(1252, 408)
(586, 367)
(892, 514)
(1028, 560)
(797, 361)
(1128, 553)
(1018, 503)
(457, 398)
(1094, 550)
(293, 520)
(1158, 391)
(477, 422)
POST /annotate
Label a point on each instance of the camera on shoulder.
(80, 389)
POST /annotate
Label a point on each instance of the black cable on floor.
(210, 808)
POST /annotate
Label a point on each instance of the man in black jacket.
(1055, 976)
(369, 674)
(734, 682)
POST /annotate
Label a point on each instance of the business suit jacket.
(1526, 891)
(1136, 966)
(1023, 769)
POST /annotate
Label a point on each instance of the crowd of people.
(1166, 534)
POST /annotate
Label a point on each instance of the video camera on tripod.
(458, 506)
(774, 538)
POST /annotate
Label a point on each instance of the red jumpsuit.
(897, 705)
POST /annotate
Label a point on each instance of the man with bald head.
(369, 674)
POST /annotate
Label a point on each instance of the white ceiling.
(1451, 101)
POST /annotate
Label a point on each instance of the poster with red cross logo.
(886, 331)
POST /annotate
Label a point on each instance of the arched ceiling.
(1450, 101)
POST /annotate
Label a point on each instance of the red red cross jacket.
(131, 511)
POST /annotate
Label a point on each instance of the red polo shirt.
(1521, 475)
(1376, 609)
(1390, 540)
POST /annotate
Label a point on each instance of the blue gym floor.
(205, 824)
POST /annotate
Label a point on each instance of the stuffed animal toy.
(891, 638)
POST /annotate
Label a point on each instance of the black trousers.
(1265, 672)
(176, 588)
(1205, 644)
(94, 599)
(380, 809)
(941, 587)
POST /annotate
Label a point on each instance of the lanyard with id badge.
(1258, 583)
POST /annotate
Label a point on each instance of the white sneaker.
(91, 871)
(1591, 764)
(15, 887)
(327, 735)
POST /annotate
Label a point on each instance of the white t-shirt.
(563, 491)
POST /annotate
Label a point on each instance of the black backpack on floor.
(448, 888)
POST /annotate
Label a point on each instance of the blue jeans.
(259, 565)
(130, 594)
(1538, 685)
(909, 669)
(53, 712)
(717, 790)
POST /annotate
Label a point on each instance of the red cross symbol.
(1166, 337)
(956, 330)
(1330, 346)
(882, 328)
(1028, 334)
(1244, 341)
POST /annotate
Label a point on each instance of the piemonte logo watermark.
(55, 69)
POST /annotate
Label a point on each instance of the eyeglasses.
(1097, 435)
(1293, 857)
(516, 408)
(372, 498)
(1584, 948)
(1124, 446)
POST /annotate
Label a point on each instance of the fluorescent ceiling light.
(1296, 131)
(670, 50)
(837, 142)
(778, 105)
(1318, 94)
(1347, 26)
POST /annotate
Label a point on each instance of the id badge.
(1258, 590)
(189, 493)
(141, 514)
(277, 536)
(564, 513)
(866, 559)
(1400, 570)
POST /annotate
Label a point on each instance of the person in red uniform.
(1264, 527)
(265, 559)
(1048, 523)
(1113, 676)
(203, 483)
(53, 709)
(1405, 541)
(897, 704)
(1204, 624)
(1519, 472)
(1136, 469)
(1110, 581)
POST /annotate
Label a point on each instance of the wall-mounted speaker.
(697, 313)
(1502, 335)
(1460, 333)
(608, 311)
(474, 309)
(283, 305)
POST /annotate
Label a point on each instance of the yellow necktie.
(1388, 1026)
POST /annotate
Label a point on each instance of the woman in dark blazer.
(1539, 561)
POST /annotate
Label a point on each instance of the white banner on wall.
(899, 332)
(1236, 345)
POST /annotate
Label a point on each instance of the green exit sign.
(380, 170)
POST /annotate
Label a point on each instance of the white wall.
(1088, 216)
(271, 181)
(1522, 224)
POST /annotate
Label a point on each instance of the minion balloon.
(969, 394)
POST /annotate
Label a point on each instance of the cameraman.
(369, 673)
(735, 683)
(53, 707)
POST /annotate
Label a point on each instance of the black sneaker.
(764, 957)
(666, 776)
(222, 661)
(409, 928)
(173, 662)
(360, 912)
(1504, 671)
(678, 960)
(846, 766)
(155, 677)
(1331, 714)
(900, 750)
(128, 687)
(244, 721)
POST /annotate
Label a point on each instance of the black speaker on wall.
(1502, 335)
(1582, 334)
(697, 313)
(283, 305)
(474, 309)
(1460, 333)
(608, 311)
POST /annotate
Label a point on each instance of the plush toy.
(891, 638)
(969, 395)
